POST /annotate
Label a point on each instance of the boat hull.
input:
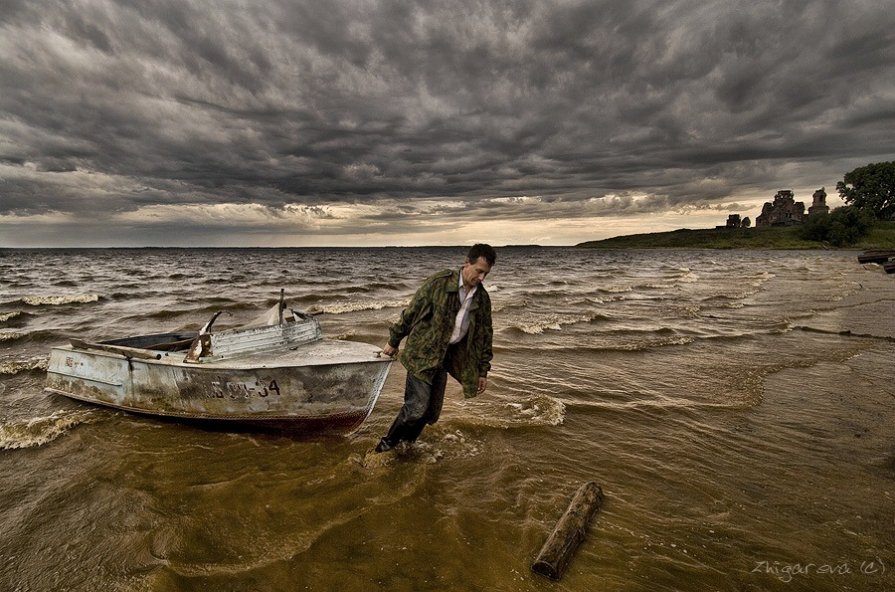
(328, 386)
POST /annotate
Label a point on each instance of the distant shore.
(881, 237)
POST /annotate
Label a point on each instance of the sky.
(429, 122)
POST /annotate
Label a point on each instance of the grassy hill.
(881, 237)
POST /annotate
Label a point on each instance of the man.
(448, 330)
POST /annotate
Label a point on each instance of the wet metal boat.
(282, 375)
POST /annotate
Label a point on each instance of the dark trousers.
(422, 405)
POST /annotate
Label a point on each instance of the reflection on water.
(737, 435)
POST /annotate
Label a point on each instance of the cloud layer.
(393, 119)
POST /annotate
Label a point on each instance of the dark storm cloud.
(109, 107)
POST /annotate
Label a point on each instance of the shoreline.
(882, 236)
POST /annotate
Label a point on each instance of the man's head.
(479, 261)
(482, 250)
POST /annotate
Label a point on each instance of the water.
(742, 441)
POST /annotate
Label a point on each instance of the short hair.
(482, 250)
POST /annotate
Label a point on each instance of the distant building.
(819, 206)
(783, 211)
(733, 221)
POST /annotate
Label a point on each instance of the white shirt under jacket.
(461, 323)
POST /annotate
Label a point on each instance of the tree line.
(869, 194)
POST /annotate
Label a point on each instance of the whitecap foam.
(58, 300)
(539, 410)
(345, 306)
(6, 316)
(435, 445)
(552, 322)
(38, 431)
(763, 278)
(15, 366)
(10, 335)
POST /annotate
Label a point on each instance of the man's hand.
(483, 384)
(390, 351)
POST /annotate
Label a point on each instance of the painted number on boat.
(244, 390)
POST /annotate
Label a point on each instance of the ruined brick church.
(786, 211)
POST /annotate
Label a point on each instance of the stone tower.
(819, 206)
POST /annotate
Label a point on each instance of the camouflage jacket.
(428, 322)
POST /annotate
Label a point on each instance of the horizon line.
(465, 246)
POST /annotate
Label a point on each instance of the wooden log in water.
(889, 267)
(569, 532)
(876, 256)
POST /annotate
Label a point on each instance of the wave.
(615, 345)
(665, 402)
(218, 281)
(8, 316)
(226, 304)
(374, 286)
(58, 300)
(652, 286)
(497, 307)
(728, 301)
(597, 300)
(553, 322)
(726, 297)
(134, 272)
(312, 298)
(538, 410)
(136, 295)
(207, 308)
(11, 335)
(346, 306)
(159, 315)
(31, 336)
(38, 431)
(688, 277)
(15, 366)
(641, 297)
(643, 345)
(544, 294)
(762, 278)
(644, 331)
(435, 446)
